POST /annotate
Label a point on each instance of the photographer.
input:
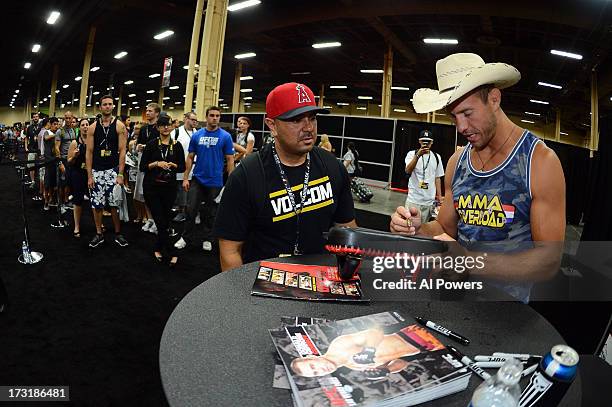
(425, 169)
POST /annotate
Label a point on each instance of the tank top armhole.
(458, 164)
(532, 148)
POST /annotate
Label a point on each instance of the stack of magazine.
(383, 359)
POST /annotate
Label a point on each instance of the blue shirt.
(494, 206)
(210, 147)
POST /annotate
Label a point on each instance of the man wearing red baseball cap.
(280, 200)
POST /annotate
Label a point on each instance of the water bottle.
(25, 252)
(501, 390)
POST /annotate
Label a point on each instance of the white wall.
(9, 116)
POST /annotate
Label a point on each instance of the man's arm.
(230, 163)
(438, 189)
(447, 219)
(230, 254)
(547, 217)
(89, 154)
(122, 133)
(188, 165)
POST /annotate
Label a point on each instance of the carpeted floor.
(91, 318)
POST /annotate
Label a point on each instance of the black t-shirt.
(31, 133)
(257, 210)
(155, 152)
(147, 134)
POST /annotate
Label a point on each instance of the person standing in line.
(105, 160)
(32, 147)
(78, 174)
(161, 160)
(183, 135)
(148, 132)
(210, 145)
(244, 138)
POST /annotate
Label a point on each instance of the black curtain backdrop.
(597, 215)
(407, 138)
(576, 167)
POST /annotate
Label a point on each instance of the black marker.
(444, 331)
(468, 362)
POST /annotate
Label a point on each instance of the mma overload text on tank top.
(494, 206)
(106, 146)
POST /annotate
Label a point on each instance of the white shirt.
(243, 139)
(427, 169)
(184, 137)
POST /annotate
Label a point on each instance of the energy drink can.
(553, 377)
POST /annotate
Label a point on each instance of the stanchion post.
(60, 222)
(27, 256)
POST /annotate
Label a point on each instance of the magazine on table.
(305, 282)
(383, 359)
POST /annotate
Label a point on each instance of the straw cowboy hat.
(457, 75)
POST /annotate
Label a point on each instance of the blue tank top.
(494, 206)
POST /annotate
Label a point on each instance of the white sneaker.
(180, 244)
(153, 229)
(197, 219)
(147, 225)
(207, 246)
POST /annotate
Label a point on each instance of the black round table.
(216, 350)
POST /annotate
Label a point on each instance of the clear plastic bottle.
(501, 390)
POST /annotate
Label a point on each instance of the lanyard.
(105, 130)
(297, 208)
(161, 150)
(425, 165)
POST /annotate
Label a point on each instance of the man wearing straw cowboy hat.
(505, 188)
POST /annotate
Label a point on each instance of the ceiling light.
(78, 78)
(400, 110)
(245, 55)
(95, 68)
(177, 103)
(89, 104)
(173, 87)
(75, 100)
(342, 104)
(527, 121)
(372, 71)
(65, 86)
(533, 114)
(56, 91)
(53, 17)
(246, 90)
(134, 103)
(440, 41)
(154, 75)
(248, 98)
(27, 65)
(220, 100)
(17, 91)
(123, 104)
(131, 95)
(96, 93)
(300, 73)
(167, 97)
(243, 4)
(399, 88)
(550, 85)
(565, 54)
(163, 35)
(538, 101)
(246, 78)
(327, 107)
(120, 55)
(150, 91)
(562, 132)
(338, 87)
(36, 48)
(327, 45)
(149, 100)
(128, 82)
(365, 97)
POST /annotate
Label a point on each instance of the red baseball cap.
(291, 99)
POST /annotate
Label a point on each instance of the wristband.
(120, 174)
